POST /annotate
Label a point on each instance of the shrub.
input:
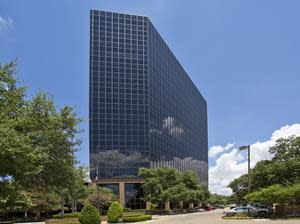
(115, 212)
(153, 206)
(138, 218)
(62, 222)
(67, 215)
(89, 215)
(130, 214)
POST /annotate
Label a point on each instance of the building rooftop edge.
(146, 17)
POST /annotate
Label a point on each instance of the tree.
(283, 169)
(175, 194)
(16, 155)
(106, 196)
(44, 202)
(166, 184)
(189, 179)
(52, 137)
(217, 199)
(78, 192)
(276, 193)
(239, 187)
(12, 199)
(38, 141)
(286, 149)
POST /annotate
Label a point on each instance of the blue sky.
(242, 55)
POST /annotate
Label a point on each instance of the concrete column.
(148, 205)
(181, 204)
(122, 193)
(191, 205)
(167, 205)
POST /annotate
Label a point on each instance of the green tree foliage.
(15, 154)
(12, 199)
(89, 215)
(44, 202)
(115, 212)
(286, 149)
(37, 141)
(168, 184)
(106, 196)
(217, 199)
(78, 192)
(276, 193)
(239, 187)
(283, 169)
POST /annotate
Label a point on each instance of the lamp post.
(98, 203)
(98, 194)
(244, 147)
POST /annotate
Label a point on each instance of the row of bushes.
(90, 215)
(137, 218)
(66, 215)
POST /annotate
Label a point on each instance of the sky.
(242, 55)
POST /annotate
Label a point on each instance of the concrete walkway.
(211, 217)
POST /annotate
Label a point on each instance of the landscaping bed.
(136, 217)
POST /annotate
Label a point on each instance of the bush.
(67, 215)
(62, 222)
(138, 218)
(115, 212)
(130, 214)
(153, 206)
(89, 215)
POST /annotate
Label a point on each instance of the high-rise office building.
(144, 109)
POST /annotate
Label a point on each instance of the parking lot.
(212, 217)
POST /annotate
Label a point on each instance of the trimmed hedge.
(138, 218)
(133, 214)
(115, 212)
(66, 215)
(89, 215)
(62, 222)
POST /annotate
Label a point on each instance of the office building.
(144, 109)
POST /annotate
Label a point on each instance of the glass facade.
(113, 187)
(144, 109)
(134, 196)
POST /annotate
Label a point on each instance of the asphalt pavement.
(212, 217)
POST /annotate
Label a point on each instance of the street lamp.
(244, 147)
(97, 186)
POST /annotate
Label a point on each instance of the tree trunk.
(62, 209)
(38, 214)
(75, 205)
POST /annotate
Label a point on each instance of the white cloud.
(5, 23)
(217, 149)
(233, 164)
(170, 125)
